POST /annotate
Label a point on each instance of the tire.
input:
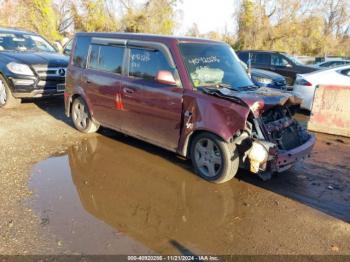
(213, 159)
(7, 100)
(81, 117)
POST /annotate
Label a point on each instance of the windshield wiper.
(221, 85)
(228, 86)
(250, 87)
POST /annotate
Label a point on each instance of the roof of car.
(15, 30)
(335, 60)
(148, 37)
(337, 68)
(262, 51)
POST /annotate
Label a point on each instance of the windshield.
(214, 65)
(294, 59)
(23, 43)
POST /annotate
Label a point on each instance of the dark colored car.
(29, 67)
(264, 78)
(278, 62)
(189, 96)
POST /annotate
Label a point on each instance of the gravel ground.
(310, 205)
(28, 134)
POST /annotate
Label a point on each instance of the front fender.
(202, 112)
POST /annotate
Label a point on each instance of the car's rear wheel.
(214, 159)
(6, 98)
(81, 117)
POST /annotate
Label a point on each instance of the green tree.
(40, 17)
(155, 17)
(246, 24)
(93, 16)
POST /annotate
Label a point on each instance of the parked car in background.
(306, 84)
(278, 62)
(189, 96)
(29, 67)
(332, 63)
(264, 78)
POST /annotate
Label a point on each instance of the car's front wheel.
(6, 98)
(81, 117)
(214, 159)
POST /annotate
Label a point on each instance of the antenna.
(249, 63)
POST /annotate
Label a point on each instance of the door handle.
(128, 90)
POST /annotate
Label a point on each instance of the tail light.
(302, 82)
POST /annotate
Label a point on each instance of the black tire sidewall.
(10, 100)
(225, 154)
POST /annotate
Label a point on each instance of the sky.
(209, 15)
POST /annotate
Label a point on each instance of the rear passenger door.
(152, 110)
(103, 77)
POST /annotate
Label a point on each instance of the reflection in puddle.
(105, 196)
(123, 196)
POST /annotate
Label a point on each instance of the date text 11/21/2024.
(173, 258)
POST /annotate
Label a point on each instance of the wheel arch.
(75, 96)
(190, 137)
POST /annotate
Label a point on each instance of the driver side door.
(151, 110)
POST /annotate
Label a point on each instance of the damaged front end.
(273, 140)
(283, 138)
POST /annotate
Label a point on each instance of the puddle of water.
(57, 200)
(123, 196)
(107, 196)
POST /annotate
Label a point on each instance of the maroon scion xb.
(190, 96)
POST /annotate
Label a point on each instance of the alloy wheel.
(208, 157)
(80, 115)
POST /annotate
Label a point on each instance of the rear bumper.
(306, 93)
(285, 160)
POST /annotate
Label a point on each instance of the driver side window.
(146, 63)
(277, 60)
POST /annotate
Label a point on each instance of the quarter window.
(146, 63)
(106, 58)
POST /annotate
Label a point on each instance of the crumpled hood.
(36, 58)
(264, 96)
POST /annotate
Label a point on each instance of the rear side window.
(146, 63)
(106, 58)
(325, 64)
(81, 51)
(244, 57)
(261, 59)
(346, 72)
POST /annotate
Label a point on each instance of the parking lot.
(145, 200)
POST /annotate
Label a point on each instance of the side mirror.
(66, 51)
(289, 65)
(165, 77)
